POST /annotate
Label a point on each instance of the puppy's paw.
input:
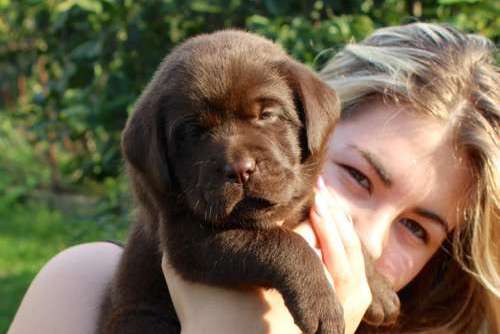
(384, 309)
(320, 314)
(331, 323)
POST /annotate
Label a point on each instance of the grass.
(36, 224)
(31, 233)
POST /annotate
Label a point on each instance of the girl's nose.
(374, 231)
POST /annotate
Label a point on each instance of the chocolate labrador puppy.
(226, 141)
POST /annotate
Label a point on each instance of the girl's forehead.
(414, 138)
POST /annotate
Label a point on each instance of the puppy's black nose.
(240, 170)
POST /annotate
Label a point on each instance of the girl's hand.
(210, 309)
(342, 255)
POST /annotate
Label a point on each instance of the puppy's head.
(232, 126)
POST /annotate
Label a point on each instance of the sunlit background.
(70, 72)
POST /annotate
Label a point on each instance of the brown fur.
(227, 139)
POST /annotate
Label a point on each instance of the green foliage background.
(71, 70)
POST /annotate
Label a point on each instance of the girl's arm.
(66, 295)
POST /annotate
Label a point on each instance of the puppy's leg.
(274, 258)
(384, 309)
(139, 301)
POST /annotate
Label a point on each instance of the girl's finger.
(345, 228)
(332, 248)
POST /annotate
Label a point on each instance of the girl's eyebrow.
(375, 163)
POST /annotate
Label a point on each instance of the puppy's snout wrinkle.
(240, 170)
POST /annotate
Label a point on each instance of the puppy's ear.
(317, 104)
(144, 144)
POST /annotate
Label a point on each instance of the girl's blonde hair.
(452, 76)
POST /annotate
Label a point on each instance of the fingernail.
(321, 205)
(320, 183)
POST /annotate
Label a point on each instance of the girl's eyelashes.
(415, 228)
(359, 177)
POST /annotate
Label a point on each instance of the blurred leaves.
(20, 170)
(71, 70)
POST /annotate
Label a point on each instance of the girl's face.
(397, 176)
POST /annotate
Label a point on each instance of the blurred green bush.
(71, 70)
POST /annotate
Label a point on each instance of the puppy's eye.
(195, 131)
(266, 114)
(269, 114)
(188, 131)
(266, 110)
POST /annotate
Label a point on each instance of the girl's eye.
(415, 228)
(359, 177)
